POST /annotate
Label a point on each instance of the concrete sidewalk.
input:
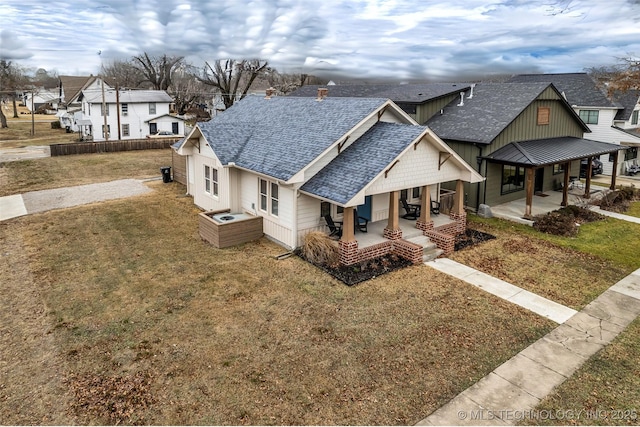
(542, 306)
(44, 200)
(518, 385)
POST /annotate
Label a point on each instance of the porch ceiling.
(543, 152)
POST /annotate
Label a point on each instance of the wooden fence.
(111, 146)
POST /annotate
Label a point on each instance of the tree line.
(188, 85)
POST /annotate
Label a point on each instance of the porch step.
(429, 249)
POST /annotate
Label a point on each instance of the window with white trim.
(634, 118)
(211, 180)
(125, 129)
(269, 196)
(152, 108)
(590, 117)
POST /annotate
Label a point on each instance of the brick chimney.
(323, 92)
(270, 92)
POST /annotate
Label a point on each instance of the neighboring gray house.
(612, 121)
(295, 160)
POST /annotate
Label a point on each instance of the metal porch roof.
(543, 152)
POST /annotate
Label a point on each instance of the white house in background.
(41, 97)
(138, 113)
(70, 108)
(294, 161)
(612, 121)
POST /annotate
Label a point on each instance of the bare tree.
(186, 90)
(12, 79)
(124, 72)
(286, 83)
(618, 78)
(232, 77)
(157, 70)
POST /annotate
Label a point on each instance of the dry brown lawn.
(563, 275)
(18, 132)
(118, 313)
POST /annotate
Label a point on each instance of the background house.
(131, 114)
(609, 120)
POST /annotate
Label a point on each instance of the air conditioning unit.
(124, 113)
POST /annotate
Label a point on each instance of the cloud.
(373, 39)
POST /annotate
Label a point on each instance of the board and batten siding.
(427, 110)
(279, 228)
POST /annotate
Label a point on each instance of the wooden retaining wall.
(223, 235)
(111, 146)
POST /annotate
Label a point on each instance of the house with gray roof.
(525, 138)
(295, 161)
(418, 100)
(130, 114)
(609, 119)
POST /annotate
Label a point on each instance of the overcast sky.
(368, 39)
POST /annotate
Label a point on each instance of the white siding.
(416, 168)
(280, 228)
(308, 217)
(201, 198)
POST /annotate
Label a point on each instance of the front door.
(539, 180)
(153, 128)
(365, 210)
(174, 128)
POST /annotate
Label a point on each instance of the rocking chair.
(335, 227)
(360, 223)
(412, 211)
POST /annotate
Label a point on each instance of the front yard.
(118, 313)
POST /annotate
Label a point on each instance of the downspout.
(485, 181)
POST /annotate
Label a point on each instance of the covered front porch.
(529, 159)
(402, 236)
(546, 202)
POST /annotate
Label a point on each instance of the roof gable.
(278, 137)
(628, 101)
(128, 96)
(493, 107)
(578, 88)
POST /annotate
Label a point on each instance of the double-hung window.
(590, 117)
(269, 196)
(152, 108)
(634, 117)
(211, 180)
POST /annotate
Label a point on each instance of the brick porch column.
(347, 244)
(458, 199)
(347, 226)
(392, 230)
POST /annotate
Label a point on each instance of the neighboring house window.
(558, 168)
(630, 153)
(125, 109)
(590, 117)
(512, 179)
(269, 196)
(211, 180)
(108, 131)
(103, 109)
(544, 114)
(152, 108)
(125, 130)
(634, 118)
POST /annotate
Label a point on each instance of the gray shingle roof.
(362, 161)
(410, 93)
(481, 119)
(541, 152)
(278, 137)
(129, 96)
(579, 88)
(627, 101)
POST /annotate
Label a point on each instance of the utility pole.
(104, 112)
(118, 109)
(33, 120)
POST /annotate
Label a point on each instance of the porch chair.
(335, 227)
(435, 207)
(360, 223)
(412, 211)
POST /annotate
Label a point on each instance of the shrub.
(560, 224)
(55, 125)
(320, 249)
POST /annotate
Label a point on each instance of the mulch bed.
(471, 237)
(369, 269)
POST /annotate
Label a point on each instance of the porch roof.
(350, 172)
(543, 152)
